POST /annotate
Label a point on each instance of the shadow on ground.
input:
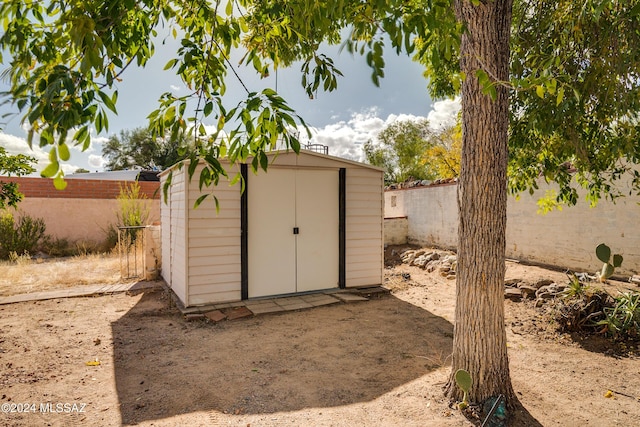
(600, 343)
(323, 357)
(522, 418)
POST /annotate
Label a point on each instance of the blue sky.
(343, 119)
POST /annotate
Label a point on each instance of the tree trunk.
(479, 344)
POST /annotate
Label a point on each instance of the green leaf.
(540, 91)
(51, 169)
(107, 101)
(200, 200)
(165, 187)
(170, 64)
(560, 96)
(63, 152)
(59, 183)
(208, 107)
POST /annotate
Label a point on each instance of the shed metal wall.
(174, 249)
(214, 243)
(364, 227)
(165, 236)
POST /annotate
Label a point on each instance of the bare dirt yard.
(131, 359)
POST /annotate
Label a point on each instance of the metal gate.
(131, 247)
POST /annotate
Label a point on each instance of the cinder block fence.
(566, 238)
(82, 211)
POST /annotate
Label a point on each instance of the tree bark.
(480, 344)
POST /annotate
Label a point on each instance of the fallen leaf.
(93, 363)
(609, 394)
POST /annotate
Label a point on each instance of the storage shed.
(312, 222)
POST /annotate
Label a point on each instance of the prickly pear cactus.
(603, 252)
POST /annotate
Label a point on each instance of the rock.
(431, 267)
(544, 295)
(451, 276)
(542, 282)
(444, 268)
(551, 290)
(409, 257)
(406, 253)
(420, 252)
(435, 256)
(420, 261)
(511, 283)
(527, 291)
(425, 182)
(540, 302)
(513, 294)
(450, 259)
(635, 279)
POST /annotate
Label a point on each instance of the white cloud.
(96, 161)
(346, 138)
(16, 145)
(444, 113)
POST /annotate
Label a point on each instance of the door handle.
(296, 230)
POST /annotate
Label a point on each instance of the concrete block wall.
(84, 210)
(566, 238)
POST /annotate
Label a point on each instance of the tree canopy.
(574, 94)
(412, 150)
(402, 147)
(17, 165)
(574, 74)
(138, 148)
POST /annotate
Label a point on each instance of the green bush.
(111, 238)
(20, 236)
(57, 247)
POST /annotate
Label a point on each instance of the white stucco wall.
(565, 238)
(396, 231)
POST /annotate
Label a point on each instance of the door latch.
(296, 230)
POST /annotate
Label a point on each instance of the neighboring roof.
(303, 152)
(128, 175)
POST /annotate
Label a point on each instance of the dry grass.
(28, 276)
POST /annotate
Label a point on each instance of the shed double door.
(293, 226)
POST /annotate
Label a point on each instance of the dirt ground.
(132, 360)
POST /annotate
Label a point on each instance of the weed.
(23, 259)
